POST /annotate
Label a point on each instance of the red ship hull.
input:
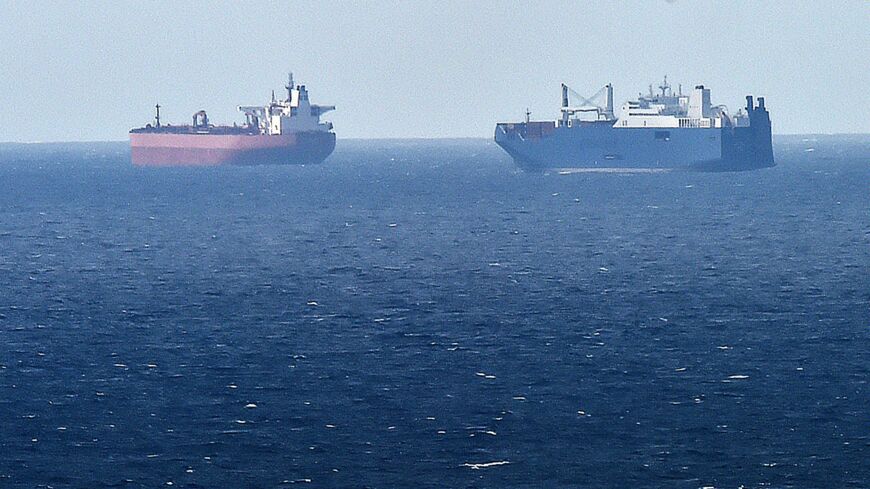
(204, 149)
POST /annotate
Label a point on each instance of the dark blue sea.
(421, 314)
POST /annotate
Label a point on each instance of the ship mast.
(289, 86)
(664, 87)
(158, 114)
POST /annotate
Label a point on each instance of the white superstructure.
(293, 114)
(666, 109)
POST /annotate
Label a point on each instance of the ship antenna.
(273, 96)
(289, 86)
(528, 115)
(158, 114)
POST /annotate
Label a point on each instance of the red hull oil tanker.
(283, 132)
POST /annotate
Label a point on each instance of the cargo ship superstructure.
(287, 131)
(665, 129)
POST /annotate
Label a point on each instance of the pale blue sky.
(92, 70)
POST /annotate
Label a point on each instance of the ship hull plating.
(600, 145)
(162, 149)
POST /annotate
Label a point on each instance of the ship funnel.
(749, 103)
(699, 103)
(761, 103)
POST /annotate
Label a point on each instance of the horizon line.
(411, 138)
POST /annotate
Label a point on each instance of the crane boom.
(601, 102)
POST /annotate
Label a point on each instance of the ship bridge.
(673, 109)
(294, 114)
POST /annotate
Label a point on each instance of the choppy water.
(421, 314)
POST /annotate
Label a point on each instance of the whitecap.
(485, 465)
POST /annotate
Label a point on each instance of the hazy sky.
(92, 70)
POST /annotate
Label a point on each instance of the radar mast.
(289, 86)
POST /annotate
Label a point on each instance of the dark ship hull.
(538, 146)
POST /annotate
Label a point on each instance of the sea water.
(423, 314)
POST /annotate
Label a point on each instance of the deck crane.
(603, 111)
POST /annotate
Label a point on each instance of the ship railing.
(693, 123)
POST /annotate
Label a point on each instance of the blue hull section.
(542, 145)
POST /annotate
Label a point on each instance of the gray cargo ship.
(667, 129)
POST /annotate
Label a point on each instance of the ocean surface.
(422, 314)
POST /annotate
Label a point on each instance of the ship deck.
(216, 130)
